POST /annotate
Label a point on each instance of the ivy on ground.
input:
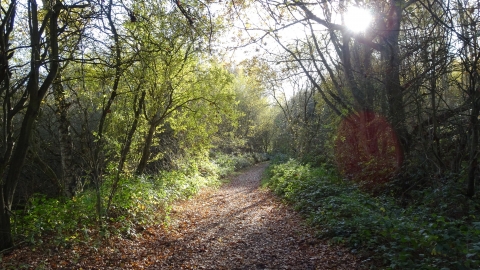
(413, 237)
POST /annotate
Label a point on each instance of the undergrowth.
(138, 202)
(228, 163)
(412, 237)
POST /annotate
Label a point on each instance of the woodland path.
(238, 226)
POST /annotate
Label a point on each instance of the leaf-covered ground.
(238, 226)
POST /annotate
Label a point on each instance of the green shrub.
(138, 201)
(402, 238)
(228, 163)
(59, 221)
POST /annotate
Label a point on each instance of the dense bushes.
(138, 201)
(415, 237)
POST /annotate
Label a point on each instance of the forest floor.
(237, 226)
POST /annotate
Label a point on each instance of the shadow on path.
(240, 226)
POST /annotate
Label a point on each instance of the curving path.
(238, 226)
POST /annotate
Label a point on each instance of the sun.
(357, 19)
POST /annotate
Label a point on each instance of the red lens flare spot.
(367, 149)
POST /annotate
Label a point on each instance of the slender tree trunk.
(357, 93)
(98, 203)
(472, 164)
(6, 240)
(14, 170)
(6, 27)
(20, 151)
(133, 129)
(391, 57)
(126, 148)
(97, 162)
(470, 57)
(433, 99)
(70, 183)
(146, 149)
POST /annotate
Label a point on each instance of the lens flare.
(367, 149)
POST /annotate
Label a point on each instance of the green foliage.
(139, 201)
(403, 238)
(250, 130)
(45, 216)
(228, 163)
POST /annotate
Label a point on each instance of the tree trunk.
(146, 149)
(70, 183)
(6, 27)
(391, 58)
(472, 164)
(126, 147)
(6, 240)
(128, 140)
(14, 170)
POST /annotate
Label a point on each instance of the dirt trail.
(238, 226)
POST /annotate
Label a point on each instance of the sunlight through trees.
(98, 93)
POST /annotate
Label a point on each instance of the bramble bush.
(415, 237)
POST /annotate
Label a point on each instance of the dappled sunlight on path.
(241, 226)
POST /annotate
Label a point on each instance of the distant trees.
(250, 129)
